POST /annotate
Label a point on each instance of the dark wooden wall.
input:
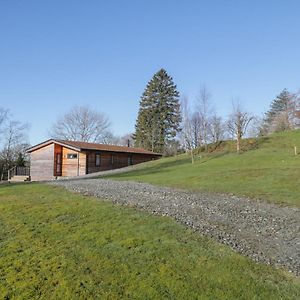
(120, 160)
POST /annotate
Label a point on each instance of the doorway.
(58, 165)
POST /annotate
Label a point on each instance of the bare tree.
(14, 143)
(204, 109)
(81, 123)
(186, 132)
(126, 140)
(3, 115)
(109, 138)
(297, 112)
(3, 118)
(202, 125)
(256, 127)
(216, 128)
(196, 124)
(237, 124)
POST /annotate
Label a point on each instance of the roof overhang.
(80, 149)
(49, 142)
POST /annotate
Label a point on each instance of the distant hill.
(267, 169)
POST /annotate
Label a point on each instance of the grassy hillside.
(58, 245)
(268, 169)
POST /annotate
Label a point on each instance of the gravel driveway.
(265, 232)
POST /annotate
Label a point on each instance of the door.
(58, 165)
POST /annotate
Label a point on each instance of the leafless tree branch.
(237, 124)
(82, 123)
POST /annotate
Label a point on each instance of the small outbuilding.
(55, 158)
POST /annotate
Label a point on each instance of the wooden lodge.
(55, 158)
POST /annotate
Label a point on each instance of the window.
(98, 160)
(112, 159)
(72, 156)
(129, 160)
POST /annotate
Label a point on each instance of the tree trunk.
(192, 156)
(238, 144)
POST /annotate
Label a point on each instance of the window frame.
(129, 160)
(72, 155)
(98, 164)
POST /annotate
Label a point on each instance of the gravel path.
(265, 232)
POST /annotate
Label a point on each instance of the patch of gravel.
(265, 232)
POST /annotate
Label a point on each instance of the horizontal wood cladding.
(73, 166)
(54, 160)
(42, 163)
(114, 160)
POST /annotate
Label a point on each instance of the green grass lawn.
(269, 170)
(59, 245)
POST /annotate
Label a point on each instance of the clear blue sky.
(56, 54)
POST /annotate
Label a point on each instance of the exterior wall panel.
(73, 166)
(42, 163)
(54, 160)
(57, 160)
(119, 160)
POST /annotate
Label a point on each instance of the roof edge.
(120, 151)
(134, 149)
(80, 149)
(48, 142)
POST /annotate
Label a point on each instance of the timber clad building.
(55, 158)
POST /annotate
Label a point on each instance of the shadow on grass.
(156, 168)
(163, 167)
(200, 158)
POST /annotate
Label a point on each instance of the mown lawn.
(269, 170)
(58, 245)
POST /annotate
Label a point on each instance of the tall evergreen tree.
(281, 115)
(159, 116)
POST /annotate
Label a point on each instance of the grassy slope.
(58, 245)
(271, 171)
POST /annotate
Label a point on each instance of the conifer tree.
(159, 116)
(281, 115)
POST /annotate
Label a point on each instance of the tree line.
(166, 123)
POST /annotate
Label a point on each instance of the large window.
(98, 160)
(72, 155)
